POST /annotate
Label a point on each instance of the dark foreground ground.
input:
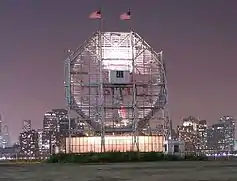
(155, 171)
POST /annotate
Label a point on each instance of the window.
(119, 74)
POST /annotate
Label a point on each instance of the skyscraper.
(188, 132)
(56, 129)
(50, 122)
(29, 147)
(4, 135)
(202, 135)
(49, 134)
(221, 135)
(26, 125)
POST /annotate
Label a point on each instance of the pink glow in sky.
(198, 38)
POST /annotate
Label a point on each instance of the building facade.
(56, 129)
(193, 133)
(26, 125)
(202, 136)
(29, 147)
(221, 135)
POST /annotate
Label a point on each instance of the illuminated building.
(202, 135)
(2, 142)
(4, 134)
(43, 147)
(49, 134)
(26, 125)
(194, 134)
(62, 121)
(10, 152)
(235, 145)
(50, 122)
(57, 121)
(115, 143)
(29, 147)
(188, 132)
(55, 129)
(221, 135)
(40, 140)
(116, 83)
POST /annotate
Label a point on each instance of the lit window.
(119, 74)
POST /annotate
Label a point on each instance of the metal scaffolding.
(117, 84)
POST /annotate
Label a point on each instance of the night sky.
(198, 37)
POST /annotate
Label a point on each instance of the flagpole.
(98, 15)
(135, 126)
(101, 83)
(130, 21)
(102, 17)
(101, 21)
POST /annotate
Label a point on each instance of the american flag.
(95, 15)
(126, 16)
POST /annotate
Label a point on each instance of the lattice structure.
(116, 83)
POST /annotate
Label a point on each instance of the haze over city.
(198, 38)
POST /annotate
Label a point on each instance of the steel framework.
(125, 107)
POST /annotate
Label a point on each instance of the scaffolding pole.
(165, 114)
(68, 96)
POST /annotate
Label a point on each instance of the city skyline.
(55, 125)
(27, 127)
(198, 40)
(194, 134)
